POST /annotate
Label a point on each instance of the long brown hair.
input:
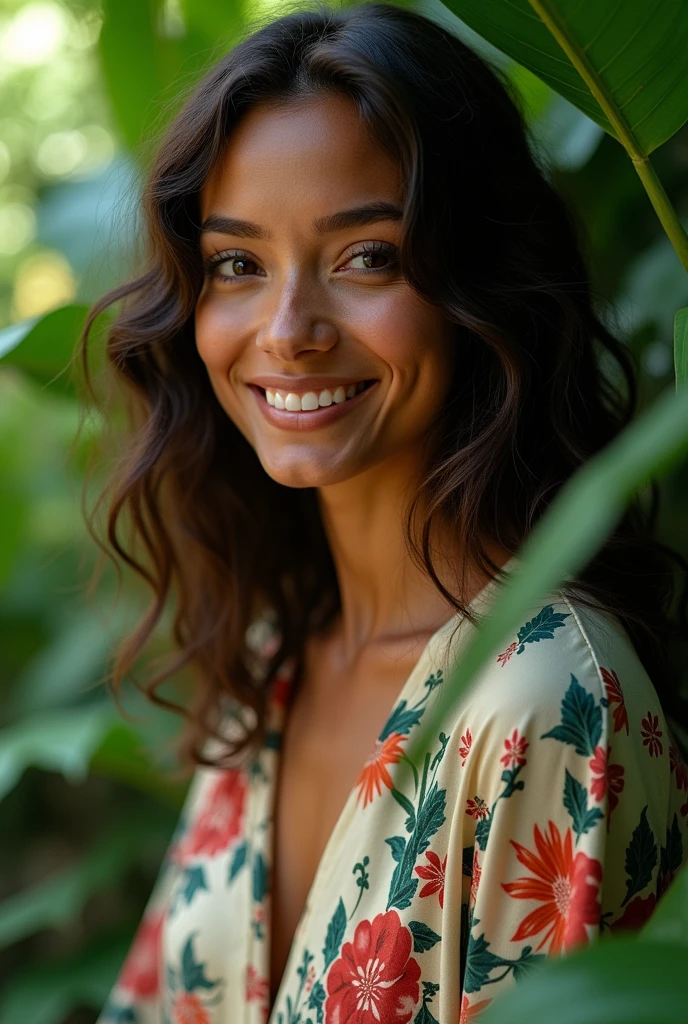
(486, 237)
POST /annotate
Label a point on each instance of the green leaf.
(398, 845)
(581, 517)
(424, 937)
(641, 857)
(581, 720)
(404, 802)
(58, 741)
(622, 65)
(681, 347)
(669, 921)
(541, 627)
(44, 347)
(48, 992)
(58, 900)
(576, 803)
(194, 880)
(335, 934)
(615, 981)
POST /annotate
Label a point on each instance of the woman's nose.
(295, 324)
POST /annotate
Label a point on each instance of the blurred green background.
(87, 805)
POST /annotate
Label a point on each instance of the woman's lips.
(311, 420)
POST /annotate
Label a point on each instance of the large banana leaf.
(630, 58)
(614, 982)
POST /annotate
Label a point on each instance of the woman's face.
(302, 287)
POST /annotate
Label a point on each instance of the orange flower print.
(477, 808)
(515, 750)
(434, 873)
(651, 732)
(615, 696)
(471, 1013)
(188, 1009)
(465, 748)
(607, 777)
(505, 655)
(566, 886)
(374, 773)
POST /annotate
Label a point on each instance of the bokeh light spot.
(36, 32)
(42, 282)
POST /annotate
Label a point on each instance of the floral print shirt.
(550, 807)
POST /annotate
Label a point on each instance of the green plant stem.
(556, 24)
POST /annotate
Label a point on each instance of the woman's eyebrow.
(357, 216)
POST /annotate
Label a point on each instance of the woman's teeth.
(311, 400)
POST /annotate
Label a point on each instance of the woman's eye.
(234, 265)
(376, 256)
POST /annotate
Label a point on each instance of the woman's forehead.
(306, 150)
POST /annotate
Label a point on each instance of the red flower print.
(477, 808)
(434, 872)
(567, 887)
(505, 655)
(475, 881)
(374, 773)
(257, 988)
(676, 764)
(615, 696)
(470, 1013)
(220, 819)
(281, 689)
(310, 978)
(376, 978)
(515, 750)
(607, 776)
(140, 974)
(188, 1009)
(636, 913)
(465, 748)
(651, 732)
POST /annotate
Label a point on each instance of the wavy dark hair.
(487, 238)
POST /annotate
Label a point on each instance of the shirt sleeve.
(579, 810)
(137, 993)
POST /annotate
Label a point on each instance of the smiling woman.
(360, 362)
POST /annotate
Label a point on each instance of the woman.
(362, 360)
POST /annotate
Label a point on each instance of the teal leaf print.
(541, 627)
(671, 855)
(193, 973)
(424, 938)
(433, 681)
(581, 720)
(430, 817)
(401, 721)
(482, 831)
(260, 878)
(525, 962)
(509, 776)
(335, 934)
(194, 879)
(404, 802)
(398, 845)
(424, 1016)
(316, 1001)
(576, 803)
(641, 857)
(481, 961)
(113, 1014)
(238, 861)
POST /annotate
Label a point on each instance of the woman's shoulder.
(566, 661)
